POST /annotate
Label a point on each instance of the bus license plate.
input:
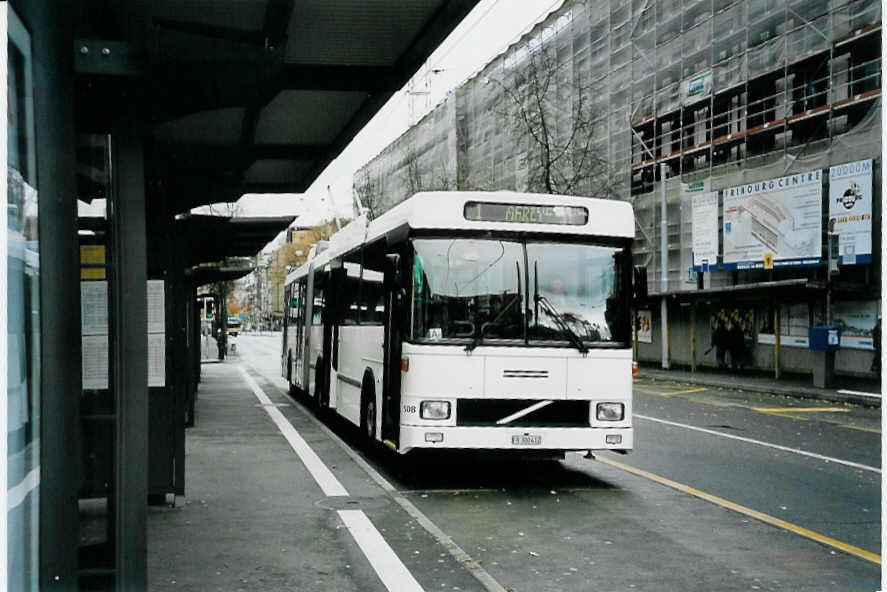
(527, 440)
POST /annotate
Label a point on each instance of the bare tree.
(368, 190)
(413, 173)
(553, 117)
(228, 209)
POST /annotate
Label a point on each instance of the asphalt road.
(725, 490)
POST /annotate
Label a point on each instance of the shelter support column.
(51, 28)
(776, 342)
(178, 329)
(129, 354)
(693, 337)
(196, 343)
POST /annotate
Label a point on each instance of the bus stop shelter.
(148, 109)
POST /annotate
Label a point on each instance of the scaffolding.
(722, 92)
(728, 92)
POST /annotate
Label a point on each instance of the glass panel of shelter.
(22, 285)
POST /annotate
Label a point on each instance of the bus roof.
(446, 210)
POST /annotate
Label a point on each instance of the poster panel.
(705, 230)
(156, 333)
(850, 210)
(794, 323)
(779, 220)
(94, 362)
(645, 326)
(857, 321)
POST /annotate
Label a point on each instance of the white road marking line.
(324, 477)
(766, 444)
(384, 560)
(469, 563)
(848, 392)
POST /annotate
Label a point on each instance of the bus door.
(337, 285)
(327, 319)
(285, 363)
(395, 300)
(308, 309)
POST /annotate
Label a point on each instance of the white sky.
(487, 31)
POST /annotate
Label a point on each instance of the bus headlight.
(610, 411)
(434, 410)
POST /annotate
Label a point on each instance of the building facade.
(753, 125)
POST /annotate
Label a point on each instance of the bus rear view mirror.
(640, 282)
(394, 266)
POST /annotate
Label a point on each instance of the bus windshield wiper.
(517, 298)
(551, 311)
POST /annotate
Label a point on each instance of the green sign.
(526, 213)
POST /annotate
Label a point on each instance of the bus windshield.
(482, 290)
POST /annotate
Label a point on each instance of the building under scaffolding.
(726, 98)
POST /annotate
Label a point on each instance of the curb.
(790, 391)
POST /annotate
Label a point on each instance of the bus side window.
(317, 310)
(350, 301)
(372, 298)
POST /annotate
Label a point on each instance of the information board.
(850, 210)
(777, 219)
(705, 230)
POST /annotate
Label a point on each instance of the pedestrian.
(719, 341)
(876, 344)
(736, 341)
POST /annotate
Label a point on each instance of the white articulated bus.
(472, 320)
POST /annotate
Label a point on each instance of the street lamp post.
(663, 280)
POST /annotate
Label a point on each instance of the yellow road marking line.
(687, 391)
(670, 393)
(780, 414)
(772, 520)
(801, 409)
(711, 402)
(861, 428)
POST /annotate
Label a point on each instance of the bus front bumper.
(516, 438)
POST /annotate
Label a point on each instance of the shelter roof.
(214, 238)
(250, 97)
(200, 276)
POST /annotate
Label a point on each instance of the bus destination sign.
(483, 211)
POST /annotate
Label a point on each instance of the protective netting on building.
(723, 92)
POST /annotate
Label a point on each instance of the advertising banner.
(705, 231)
(857, 321)
(696, 87)
(645, 326)
(778, 221)
(850, 210)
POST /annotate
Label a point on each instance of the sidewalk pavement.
(847, 389)
(255, 519)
